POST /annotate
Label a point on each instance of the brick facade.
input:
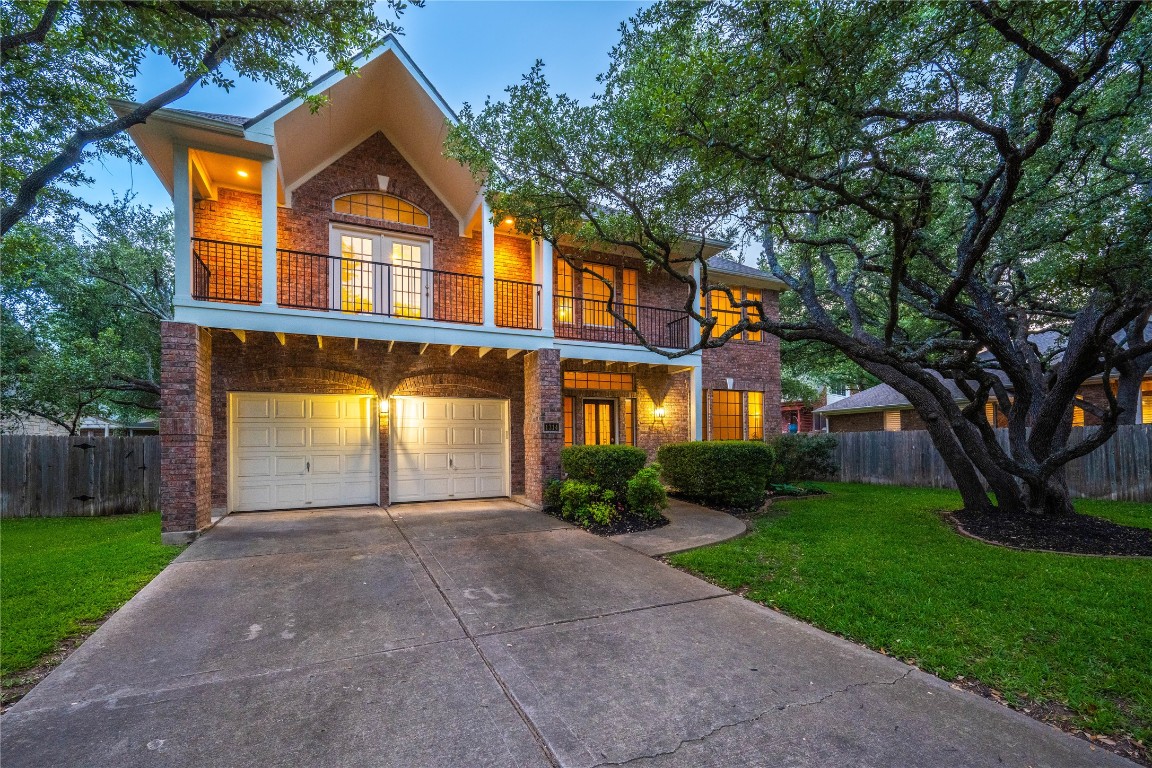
(542, 403)
(752, 365)
(871, 421)
(186, 427)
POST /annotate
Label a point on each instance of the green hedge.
(804, 457)
(608, 466)
(725, 473)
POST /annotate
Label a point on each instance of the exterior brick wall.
(655, 287)
(911, 420)
(185, 427)
(234, 217)
(513, 257)
(752, 365)
(542, 402)
(262, 364)
(856, 422)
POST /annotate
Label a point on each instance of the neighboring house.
(94, 426)
(352, 328)
(27, 424)
(803, 414)
(883, 408)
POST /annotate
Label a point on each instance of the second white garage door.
(449, 448)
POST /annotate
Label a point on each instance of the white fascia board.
(620, 353)
(308, 323)
(736, 278)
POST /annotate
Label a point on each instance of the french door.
(379, 274)
(599, 422)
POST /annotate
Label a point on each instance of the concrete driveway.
(482, 634)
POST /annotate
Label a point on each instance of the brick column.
(543, 402)
(185, 430)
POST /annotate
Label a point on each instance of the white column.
(697, 407)
(488, 254)
(182, 224)
(696, 275)
(268, 233)
(544, 277)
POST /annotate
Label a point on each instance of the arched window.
(377, 205)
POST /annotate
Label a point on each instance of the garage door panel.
(439, 429)
(283, 466)
(325, 437)
(254, 437)
(326, 465)
(488, 436)
(289, 407)
(254, 408)
(303, 450)
(290, 437)
(326, 409)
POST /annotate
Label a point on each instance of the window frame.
(383, 300)
(733, 421)
(416, 209)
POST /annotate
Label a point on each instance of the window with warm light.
(569, 407)
(356, 273)
(755, 415)
(628, 420)
(565, 292)
(630, 294)
(891, 421)
(377, 205)
(595, 284)
(599, 380)
(727, 415)
(752, 314)
(377, 272)
(726, 313)
(1077, 416)
(1146, 402)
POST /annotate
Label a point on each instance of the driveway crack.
(754, 718)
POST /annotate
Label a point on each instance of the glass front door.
(599, 422)
(380, 274)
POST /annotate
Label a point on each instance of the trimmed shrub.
(586, 503)
(803, 457)
(609, 466)
(552, 494)
(727, 473)
(645, 494)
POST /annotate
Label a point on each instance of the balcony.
(590, 320)
(231, 273)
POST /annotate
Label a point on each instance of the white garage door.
(292, 451)
(448, 448)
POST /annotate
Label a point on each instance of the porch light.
(659, 412)
(383, 406)
(242, 174)
(509, 221)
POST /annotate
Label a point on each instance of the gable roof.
(881, 397)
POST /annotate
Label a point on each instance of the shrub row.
(724, 473)
(605, 484)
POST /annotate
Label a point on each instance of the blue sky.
(468, 49)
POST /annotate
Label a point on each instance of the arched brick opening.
(447, 384)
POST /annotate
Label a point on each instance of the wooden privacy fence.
(1121, 469)
(52, 476)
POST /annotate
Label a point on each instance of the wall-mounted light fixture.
(242, 174)
(509, 221)
(658, 413)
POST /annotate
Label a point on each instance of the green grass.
(876, 564)
(56, 573)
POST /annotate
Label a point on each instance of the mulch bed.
(1071, 534)
(625, 525)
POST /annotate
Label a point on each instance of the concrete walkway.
(689, 526)
(483, 634)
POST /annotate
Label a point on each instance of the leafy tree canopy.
(81, 319)
(63, 61)
(937, 183)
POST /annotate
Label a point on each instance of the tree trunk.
(1048, 496)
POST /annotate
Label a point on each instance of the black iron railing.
(517, 304)
(224, 271)
(322, 282)
(591, 320)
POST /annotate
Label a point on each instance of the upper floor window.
(377, 205)
(728, 312)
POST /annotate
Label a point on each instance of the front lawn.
(878, 565)
(56, 574)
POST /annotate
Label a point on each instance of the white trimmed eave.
(157, 136)
(752, 281)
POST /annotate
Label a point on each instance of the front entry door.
(599, 422)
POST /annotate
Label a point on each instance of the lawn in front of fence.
(61, 574)
(878, 565)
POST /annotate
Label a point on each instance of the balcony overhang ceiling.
(389, 95)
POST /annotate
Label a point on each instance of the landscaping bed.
(1073, 534)
(1062, 638)
(61, 578)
